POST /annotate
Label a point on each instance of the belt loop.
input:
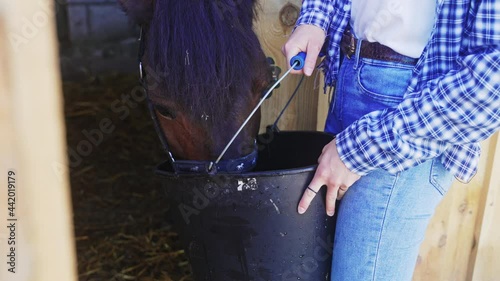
(357, 54)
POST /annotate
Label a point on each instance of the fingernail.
(301, 210)
(330, 213)
(308, 71)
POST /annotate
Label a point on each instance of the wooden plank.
(273, 33)
(33, 140)
(484, 265)
(445, 251)
(447, 248)
(324, 100)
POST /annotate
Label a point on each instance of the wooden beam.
(32, 149)
(450, 246)
(323, 104)
(485, 261)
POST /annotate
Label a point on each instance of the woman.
(416, 88)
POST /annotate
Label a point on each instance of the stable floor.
(121, 219)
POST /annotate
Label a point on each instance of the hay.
(122, 229)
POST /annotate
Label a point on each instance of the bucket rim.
(250, 174)
(161, 171)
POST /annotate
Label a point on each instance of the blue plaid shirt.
(451, 104)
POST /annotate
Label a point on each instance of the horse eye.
(165, 112)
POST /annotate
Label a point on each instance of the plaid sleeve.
(316, 12)
(459, 108)
(462, 108)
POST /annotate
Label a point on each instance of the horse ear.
(140, 11)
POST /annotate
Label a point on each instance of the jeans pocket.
(440, 178)
(384, 82)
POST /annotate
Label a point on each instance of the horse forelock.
(205, 50)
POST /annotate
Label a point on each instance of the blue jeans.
(383, 217)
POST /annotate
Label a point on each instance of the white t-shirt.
(402, 25)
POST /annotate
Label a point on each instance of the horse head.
(205, 72)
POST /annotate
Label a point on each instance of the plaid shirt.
(451, 104)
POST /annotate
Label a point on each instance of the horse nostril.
(165, 112)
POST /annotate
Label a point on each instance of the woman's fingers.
(305, 38)
(342, 190)
(334, 174)
(313, 50)
(331, 199)
(310, 193)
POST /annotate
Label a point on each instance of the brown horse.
(205, 73)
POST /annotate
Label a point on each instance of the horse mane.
(205, 49)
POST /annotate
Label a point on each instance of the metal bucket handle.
(297, 63)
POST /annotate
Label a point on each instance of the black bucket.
(246, 226)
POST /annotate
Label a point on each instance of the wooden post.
(462, 241)
(485, 260)
(36, 237)
(324, 100)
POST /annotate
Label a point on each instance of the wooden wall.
(32, 145)
(463, 239)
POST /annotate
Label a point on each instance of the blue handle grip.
(300, 59)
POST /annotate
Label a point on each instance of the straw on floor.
(121, 221)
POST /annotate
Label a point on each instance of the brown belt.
(371, 50)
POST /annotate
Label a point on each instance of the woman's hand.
(305, 38)
(334, 174)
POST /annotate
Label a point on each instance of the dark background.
(121, 221)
